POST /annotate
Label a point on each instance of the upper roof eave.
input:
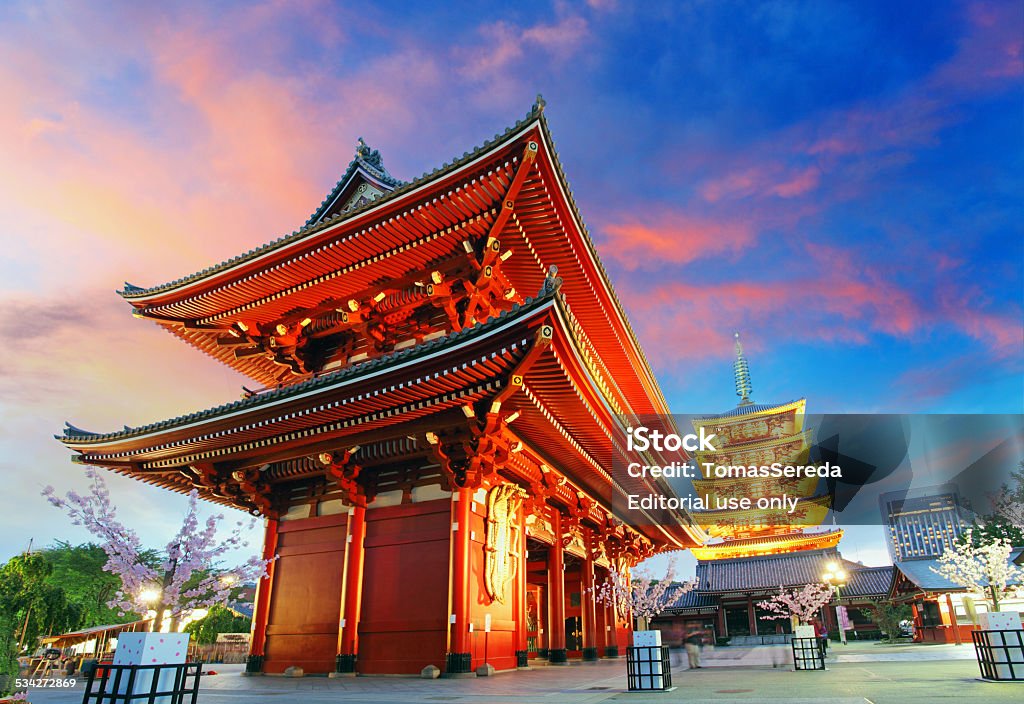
(78, 439)
(754, 409)
(138, 295)
(141, 297)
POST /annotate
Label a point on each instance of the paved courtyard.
(859, 673)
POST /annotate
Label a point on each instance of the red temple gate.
(432, 448)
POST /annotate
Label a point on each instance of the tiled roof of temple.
(77, 435)
(370, 162)
(692, 600)
(131, 291)
(869, 581)
(764, 572)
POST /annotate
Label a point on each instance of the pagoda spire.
(742, 372)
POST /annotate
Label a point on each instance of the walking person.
(693, 642)
(822, 633)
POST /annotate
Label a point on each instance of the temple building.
(753, 552)
(760, 435)
(943, 611)
(442, 367)
(725, 601)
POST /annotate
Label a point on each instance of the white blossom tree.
(189, 575)
(985, 569)
(804, 602)
(639, 592)
(1008, 502)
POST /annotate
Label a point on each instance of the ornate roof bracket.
(344, 470)
(243, 488)
(490, 292)
(486, 447)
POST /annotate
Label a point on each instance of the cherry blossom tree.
(804, 603)
(1008, 502)
(639, 592)
(984, 568)
(188, 575)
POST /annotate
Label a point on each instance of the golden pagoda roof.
(768, 545)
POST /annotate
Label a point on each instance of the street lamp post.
(836, 578)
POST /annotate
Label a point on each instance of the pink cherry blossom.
(193, 551)
(803, 602)
(638, 593)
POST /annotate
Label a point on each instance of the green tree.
(218, 620)
(994, 528)
(31, 602)
(888, 615)
(78, 570)
(9, 626)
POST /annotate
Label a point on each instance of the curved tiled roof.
(745, 410)
(769, 572)
(921, 573)
(309, 228)
(369, 161)
(693, 600)
(869, 581)
(73, 435)
(646, 382)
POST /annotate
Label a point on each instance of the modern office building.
(923, 522)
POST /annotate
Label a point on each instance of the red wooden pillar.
(261, 612)
(751, 615)
(601, 615)
(952, 620)
(460, 657)
(918, 628)
(519, 605)
(587, 599)
(352, 593)
(723, 628)
(556, 595)
(611, 648)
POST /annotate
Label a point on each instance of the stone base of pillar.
(611, 651)
(344, 665)
(558, 656)
(542, 653)
(522, 659)
(254, 665)
(589, 654)
(459, 665)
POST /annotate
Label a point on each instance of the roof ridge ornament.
(539, 104)
(741, 370)
(70, 430)
(552, 282)
(368, 155)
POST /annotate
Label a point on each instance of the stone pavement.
(936, 673)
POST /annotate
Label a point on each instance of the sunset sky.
(840, 181)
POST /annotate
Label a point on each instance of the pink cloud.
(671, 237)
(767, 179)
(838, 299)
(801, 183)
(505, 43)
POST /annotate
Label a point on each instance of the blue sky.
(839, 181)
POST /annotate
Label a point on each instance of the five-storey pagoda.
(759, 435)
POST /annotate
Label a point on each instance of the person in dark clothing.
(822, 633)
(693, 642)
